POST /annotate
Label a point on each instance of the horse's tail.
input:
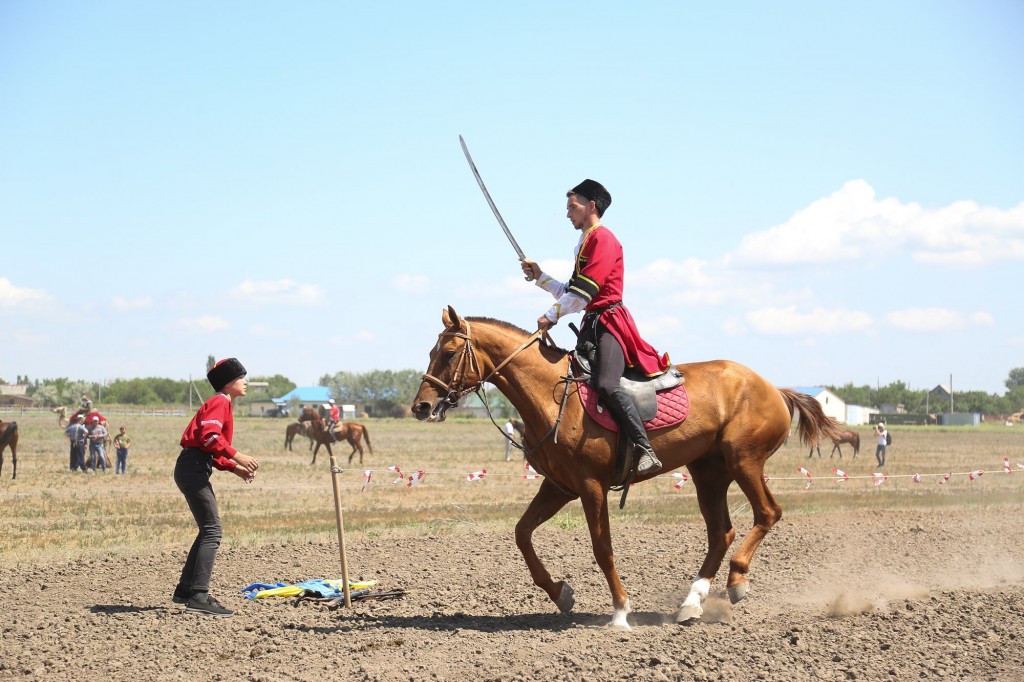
(856, 442)
(814, 423)
(366, 432)
(8, 434)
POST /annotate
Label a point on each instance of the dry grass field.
(49, 512)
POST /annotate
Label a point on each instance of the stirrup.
(648, 463)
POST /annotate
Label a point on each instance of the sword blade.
(490, 202)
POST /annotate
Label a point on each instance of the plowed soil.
(852, 596)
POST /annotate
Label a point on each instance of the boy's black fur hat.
(224, 372)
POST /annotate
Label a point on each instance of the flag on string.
(942, 481)
(531, 473)
(414, 479)
(843, 476)
(367, 475)
(975, 474)
(1006, 465)
(917, 478)
(683, 478)
(398, 470)
(476, 475)
(806, 473)
(879, 478)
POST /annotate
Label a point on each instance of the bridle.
(466, 364)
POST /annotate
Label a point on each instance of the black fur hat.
(224, 372)
(594, 191)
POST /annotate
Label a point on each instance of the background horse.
(9, 438)
(295, 429)
(62, 415)
(845, 436)
(737, 421)
(351, 432)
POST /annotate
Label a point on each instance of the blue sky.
(826, 192)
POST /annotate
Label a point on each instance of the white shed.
(831, 404)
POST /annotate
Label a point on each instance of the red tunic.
(211, 430)
(597, 278)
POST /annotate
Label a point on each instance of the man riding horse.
(596, 286)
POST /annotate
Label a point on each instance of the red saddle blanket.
(673, 406)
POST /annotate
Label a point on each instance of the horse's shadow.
(459, 621)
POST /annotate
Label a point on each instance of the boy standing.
(206, 445)
(122, 442)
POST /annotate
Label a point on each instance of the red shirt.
(598, 278)
(335, 413)
(211, 430)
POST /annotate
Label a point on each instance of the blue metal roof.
(306, 394)
(809, 390)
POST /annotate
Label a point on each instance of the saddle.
(661, 401)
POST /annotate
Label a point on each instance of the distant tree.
(210, 362)
(277, 385)
(1015, 379)
(383, 390)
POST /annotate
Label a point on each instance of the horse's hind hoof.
(738, 591)
(566, 599)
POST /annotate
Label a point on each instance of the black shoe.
(210, 607)
(180, 595)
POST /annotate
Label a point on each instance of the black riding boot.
(623, 409)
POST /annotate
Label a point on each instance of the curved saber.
(490, 202)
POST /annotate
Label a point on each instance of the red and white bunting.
(1020, 466)
(843, 476)
(1006, 465)
(398, 470)
(764, 477)
(683, 478)
(367, 475)
(975, 474)
(880, 478)
(531, 473)
(806, 473)
(415, 478)
(942, 481)
(917, 478)
(476, 475)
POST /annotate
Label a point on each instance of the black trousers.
(192, 476)
(611, 362)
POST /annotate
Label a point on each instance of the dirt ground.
(857, 596)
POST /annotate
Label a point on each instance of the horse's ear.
(450, 318)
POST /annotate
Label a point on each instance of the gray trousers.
(192, 476)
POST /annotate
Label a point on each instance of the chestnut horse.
(351, 432)
(295, 429)
(736, 421)
(845, 436)
(9, 438)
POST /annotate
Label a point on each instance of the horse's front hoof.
(689, 613)
(566, 598)
(619, 620)
(738, 591)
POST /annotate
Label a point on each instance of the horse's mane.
(512, 328)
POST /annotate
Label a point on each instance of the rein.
(456, 389)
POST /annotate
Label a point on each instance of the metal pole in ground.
(341, 531)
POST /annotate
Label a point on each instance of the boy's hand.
(244, 473)
(248, 462)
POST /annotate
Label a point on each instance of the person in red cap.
(206, 445)
(596, 287)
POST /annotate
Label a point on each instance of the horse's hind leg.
(546, 503)
(711, 480)
(767, 513)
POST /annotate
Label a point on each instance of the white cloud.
(853, 224)
(411, 284)
(937, 320)
(659, 325)
(13, 297)
(125, 304)
(204, 325)
(789, 322)
(279, 292)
